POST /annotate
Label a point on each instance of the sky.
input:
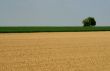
(53, 12)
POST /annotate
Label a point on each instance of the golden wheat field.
(58, 51)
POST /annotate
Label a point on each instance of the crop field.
(52, 29)
(55, 51)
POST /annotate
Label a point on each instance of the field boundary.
(51, 29)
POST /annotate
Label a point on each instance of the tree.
(90, 21)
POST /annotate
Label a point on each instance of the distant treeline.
(51, 29)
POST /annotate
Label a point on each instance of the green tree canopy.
(90, 21)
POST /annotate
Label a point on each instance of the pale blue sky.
(53, 12)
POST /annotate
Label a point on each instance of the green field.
(51, 29)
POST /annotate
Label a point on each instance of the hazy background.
(53, 12)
